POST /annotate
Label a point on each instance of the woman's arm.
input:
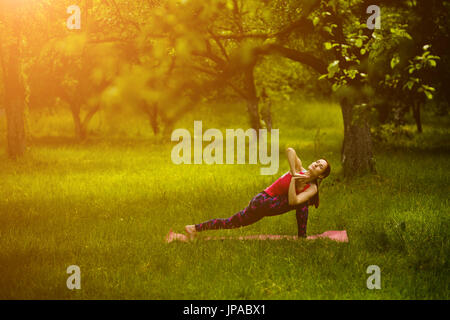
(295, 199)
(295, 163)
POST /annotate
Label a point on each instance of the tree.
(11, 32)
(228, 40)
(74, 67)
(76, 72)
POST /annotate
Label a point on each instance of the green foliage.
(349, 48)
(416, 67)
(389, 131)
(410, 78)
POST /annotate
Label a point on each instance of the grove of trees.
(162, 57)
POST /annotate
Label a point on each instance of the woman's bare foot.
(172, 236)
(190, 230)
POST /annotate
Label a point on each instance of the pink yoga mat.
(340, 235)
(336, 235)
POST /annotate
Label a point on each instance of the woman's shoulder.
(312, 187)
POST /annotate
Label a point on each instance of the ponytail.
(315, 199)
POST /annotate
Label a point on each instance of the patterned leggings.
(262, 205)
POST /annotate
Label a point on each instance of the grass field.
(106, 205)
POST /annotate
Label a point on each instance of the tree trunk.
(154, 118)
(252, 109)
(416, 114)
(357, 156)
(14, 103)
(79, 133)
(252, 99)
(152, 114)
(81, 126)
(88, 118)
(266, 114)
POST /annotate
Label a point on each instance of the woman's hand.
(293, 197)
(301, 177)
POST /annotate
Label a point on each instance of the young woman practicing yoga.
(295, 190)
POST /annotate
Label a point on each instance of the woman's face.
(318, 167)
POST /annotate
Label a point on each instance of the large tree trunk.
(14, 102)
(357, 156)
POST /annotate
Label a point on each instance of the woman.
(296, 189)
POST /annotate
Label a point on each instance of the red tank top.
(281, 185)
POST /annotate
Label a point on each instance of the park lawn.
(106, 205)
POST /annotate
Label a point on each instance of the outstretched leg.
(251, 214)
(260, 206)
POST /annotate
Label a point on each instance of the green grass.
(107, 204)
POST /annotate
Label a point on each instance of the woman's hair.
(315, 199)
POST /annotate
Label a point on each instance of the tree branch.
(302, 57)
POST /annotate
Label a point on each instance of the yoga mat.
(336, 235)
